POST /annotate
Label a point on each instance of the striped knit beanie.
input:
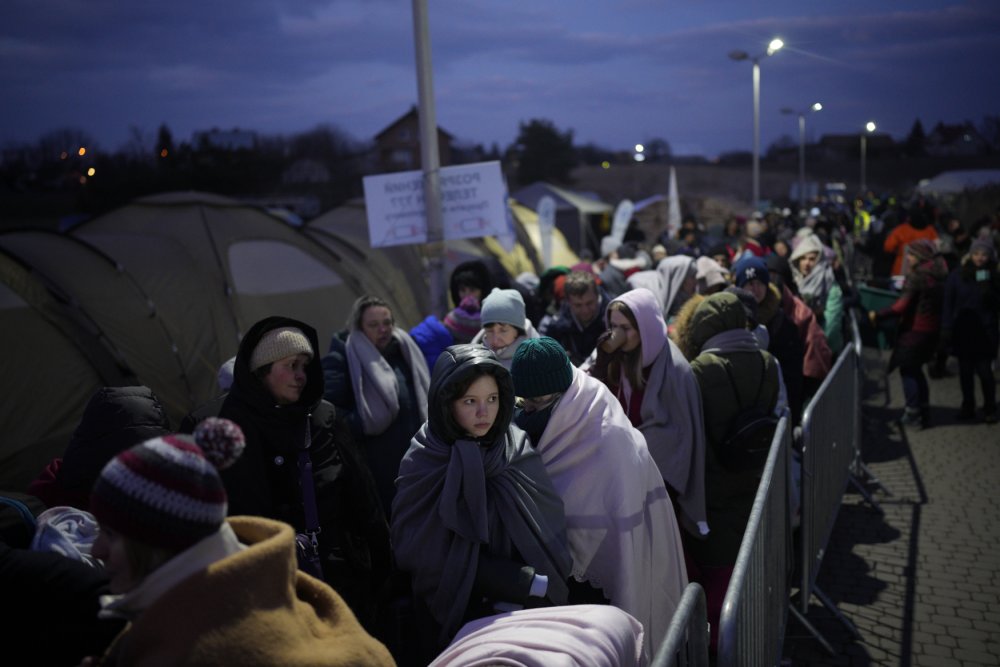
(166, 492)
(464, 321)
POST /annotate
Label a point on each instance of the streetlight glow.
(82, 151)
(773, 47)
(870, 127)
(91, 171)
(816, 106)
(639, 148)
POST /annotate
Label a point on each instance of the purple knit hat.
(166, 492)
(464, 321)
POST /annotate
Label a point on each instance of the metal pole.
(756, 133)
(802, 161)
(864, 150)
(430, 160)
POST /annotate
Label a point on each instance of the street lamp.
(869, 128)
(772, 48)
(816, 106)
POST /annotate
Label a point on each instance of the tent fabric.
(954, 182)
(158, 293)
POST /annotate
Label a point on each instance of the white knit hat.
(277, 344)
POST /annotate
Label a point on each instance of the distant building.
(398, 145)
(226, 140)
(955, 140)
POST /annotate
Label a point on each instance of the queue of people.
(404, 492)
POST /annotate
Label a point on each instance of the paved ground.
(922, 581)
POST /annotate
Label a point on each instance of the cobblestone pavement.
(922, 581)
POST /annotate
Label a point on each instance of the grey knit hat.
(540, 367)
(505, 306)
(277, 344)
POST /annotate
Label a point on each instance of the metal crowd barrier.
(686, 642)
(829, 442)
(754, 612)
(861, 475)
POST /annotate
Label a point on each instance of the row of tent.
(160, 291)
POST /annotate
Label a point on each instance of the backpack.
(748, 438)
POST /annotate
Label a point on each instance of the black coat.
(264, 481)
(578, 341)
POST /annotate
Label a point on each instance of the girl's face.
(476, 410)
(469, 290)
(621, 327)
(499, 335)
(979, 258)
(287, 378)
(807, 262)
(111, 548)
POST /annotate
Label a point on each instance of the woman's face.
(620, 326)
(287, 378)
(376, 323)
(807, 262)
(476, 410)
(111, 548)
(499, 335)
(979, 258)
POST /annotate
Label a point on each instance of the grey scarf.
(376, 390)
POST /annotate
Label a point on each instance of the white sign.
(546, 221)
(473, 204)
(623, 216)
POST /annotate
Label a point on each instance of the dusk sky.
(616, 73)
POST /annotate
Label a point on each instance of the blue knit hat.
(505, 306)
(540, 367)
(750, 268)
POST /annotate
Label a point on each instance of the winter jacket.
(902, 236)
(729, 382)
(265, 480)
(250, 608)
(115, 419)
(786, 346)
(969, 315)
(919, 310)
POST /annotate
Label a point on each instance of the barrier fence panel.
(829, 432)
(686, 642)
(752, 624)
(861, 475)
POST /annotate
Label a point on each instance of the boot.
(925, 417)
(967, 412)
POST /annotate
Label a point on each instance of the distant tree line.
(323, 163)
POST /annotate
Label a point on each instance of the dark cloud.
(610, 71)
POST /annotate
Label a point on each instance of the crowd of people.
(558, 453)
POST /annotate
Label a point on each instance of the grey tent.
(158, 293)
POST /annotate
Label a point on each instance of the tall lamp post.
(772, 48)
(869, 128)
(816, 106)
